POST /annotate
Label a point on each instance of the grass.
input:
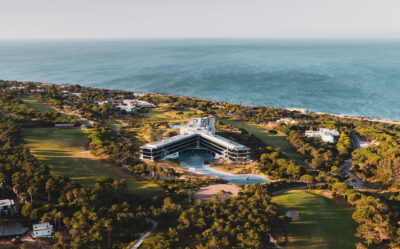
(150, 240)
(323, 223)
(163, 112)
(276, 140)
(34, 103)
(64, 151)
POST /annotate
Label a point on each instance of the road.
(145, 235)
(346, 166)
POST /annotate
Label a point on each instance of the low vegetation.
(91, 184)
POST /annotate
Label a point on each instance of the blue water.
(195, 160)
(348, 77)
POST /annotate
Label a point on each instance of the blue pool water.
(195, 160)
(348, 77)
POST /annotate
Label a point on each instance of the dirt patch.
(293, 214)
(207, 193)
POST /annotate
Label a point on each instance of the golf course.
(275, 140)
(64, 151)
(322, 223)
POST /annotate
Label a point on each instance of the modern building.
(287, 121)
(199, 133)
(327, 135)
(42, 230)
(128, 105)
(6, 207)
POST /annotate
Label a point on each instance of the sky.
(64, 19)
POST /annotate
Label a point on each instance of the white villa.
(287, 121)
(6, 207)
(128, 105)
(42, 230)
(327, 135)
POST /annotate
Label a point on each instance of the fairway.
(276, 140)
(323, 223)
(64, 151)
(34, 103)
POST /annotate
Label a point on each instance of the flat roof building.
(199, 133)
(42, 230)
(327, 135)
(6, 207)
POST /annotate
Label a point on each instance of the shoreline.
(298, 109)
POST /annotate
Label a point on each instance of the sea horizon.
(359, 77)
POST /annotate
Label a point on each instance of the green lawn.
(277, 140)
(323, 223)
(34, 102)
(63, 150)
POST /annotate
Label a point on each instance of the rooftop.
(41, 226)
(6, 202)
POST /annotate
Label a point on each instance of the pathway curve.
(145, 235)
(346, 166)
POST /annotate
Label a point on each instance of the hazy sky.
(199, 18)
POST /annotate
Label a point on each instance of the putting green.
(323, 223)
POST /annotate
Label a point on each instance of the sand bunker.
(294, 214)
(206, 193)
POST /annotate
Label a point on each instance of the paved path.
(346, 166)
(273, 241)
(144, 236)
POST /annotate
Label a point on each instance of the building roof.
(6, 202)
(217, 139)
(168, 141)
(41, 226)
(204, 127)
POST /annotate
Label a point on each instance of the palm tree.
(49, 188)
(16, 189)
(2, 181)
(69, 196)
(22, 197)
(59, 215)
(32, 191)
(108, 225)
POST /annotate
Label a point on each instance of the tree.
(307, 179)
(335, 170)
(2, 182)
(32, 191)
(340, 188)
(49, 187)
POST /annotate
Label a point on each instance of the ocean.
(354, 77)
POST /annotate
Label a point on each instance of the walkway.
(144, 236)
(346, 166)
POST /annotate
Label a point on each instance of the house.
(79, 95)
(6, 207)
(327, 135)
(126, 108)
(102, 102)
(287, 121)
(139, 94)
(42, 230)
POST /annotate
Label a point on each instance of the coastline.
(304, 110)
